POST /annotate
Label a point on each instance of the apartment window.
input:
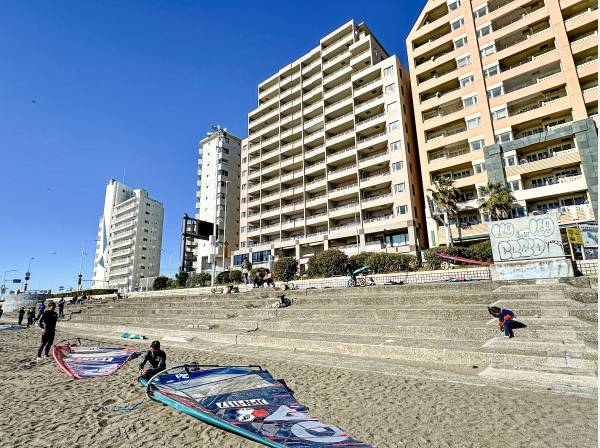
(467, 80)
(453, 5)
(491, 71)
(397, 166)
(463, 61)
(243, 214)
(390, 88)
(480, 12)
(484, 31)
(243, 186)
(479, 168)
(226, 151)
(395, 146)
(495, 91)
(392, 107)
(401, 210)
(399, 188)
(243, 229)
(394, 125)
(261, 256)
(243, 244)
(388, 71)
(499, 114)
(513, 185)
(244, 159)
(460, 42)
(144, 239)
(224, 173)
(474, 122)
(243, 200)
(510, 161)
(456, 24)
(476, 144)
(224, 161)
(398, 239)
(490, 49)
(504, 137)
(469, 101)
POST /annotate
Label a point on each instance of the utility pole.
(28, 274)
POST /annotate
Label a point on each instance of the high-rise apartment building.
(502, 92)
(218, 195)
(129, 239)
(331, 160)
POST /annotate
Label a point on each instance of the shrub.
(161, 282)
(480, 251)
(236, 276)
(200, 279)
(285, 269)
(359, 260)
(327, 264)
(433, 262)
(223, 278)
(384, 263)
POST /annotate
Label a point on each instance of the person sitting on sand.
(47, 322)
(505, 318)
(156, 358)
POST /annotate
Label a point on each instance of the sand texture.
(40, 406)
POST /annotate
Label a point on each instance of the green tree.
(497, 201)
(161, 282)
(285, 269)
(181, 279)
(446, 199)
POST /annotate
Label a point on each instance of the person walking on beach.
(47, 323)
(21, 314)
(61, 308)
(156, 358)
(246, 266)
(30, 316)
(506, 320)
(1, 311)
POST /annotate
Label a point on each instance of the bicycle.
(359, 278)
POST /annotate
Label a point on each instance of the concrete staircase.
(437, 331)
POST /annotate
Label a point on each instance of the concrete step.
(433, 351)
(584, 387)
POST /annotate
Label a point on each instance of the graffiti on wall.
(528, 238)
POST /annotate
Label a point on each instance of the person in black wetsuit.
(30, 316)
(47, 323)
(61, 307)
(21, 314)
(156, 358)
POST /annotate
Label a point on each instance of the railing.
(440, 94)
(311, 65)
(320, 232)
(556, 181)
(315, 198)
(532, 81)
(330, 75)
(538, 105)
(590, 90)
(342, 151)
(361, 71)
(442, 134)
(344, 207)
(341, 134)
(374, 117)
(313, 151)
(378, 218)
(590, 60)
(575, 17)
(345, 187)
(372, 137)
(290, 145)
(372, 100)
(374, 156)
(518, 41)
(439, 75)
(313, 165)
(343, 226)
(343, 168)
(499, 25)
(529, 59)
(379, 196)
(360, 86)
(329, 106)
(376, 175)
(312, 182)
(316, 215)
(343, 55)
(313, 120)
(270, 226)
(447, 154)
(442, 113)
(336, 119)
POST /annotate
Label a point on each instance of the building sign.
(589, 236)
(574, 235)
(528, 238)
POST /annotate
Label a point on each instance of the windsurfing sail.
(462, 259)
(90, 362)
(11, 327)
(246, 401)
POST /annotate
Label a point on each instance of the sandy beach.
(42, 407)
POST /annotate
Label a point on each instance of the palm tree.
(446, 198)
(497, 200)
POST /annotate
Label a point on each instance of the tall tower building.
(331, 160)
(507, 91)
(129, 239)
(218, 196)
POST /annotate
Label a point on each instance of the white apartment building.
(129, 239)
(218, 196)
(331, 159)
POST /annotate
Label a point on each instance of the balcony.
(375, 178)
(552, 186)
(377, 200)
(372, 139)
(341, 172)
(338, 192)
(361, 107)
(312, 152)
(342, 154)
(438, 135)
(554, 160)
(345, 119)
(342, 136)
(373, 159)
(338, 104)
(378, 220)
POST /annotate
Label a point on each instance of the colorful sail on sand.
(246, 401)
(95, 361)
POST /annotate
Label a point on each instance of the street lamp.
(3, 288)
(28, 273)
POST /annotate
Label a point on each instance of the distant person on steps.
(246, 266)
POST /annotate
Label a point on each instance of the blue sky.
(90, 90)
